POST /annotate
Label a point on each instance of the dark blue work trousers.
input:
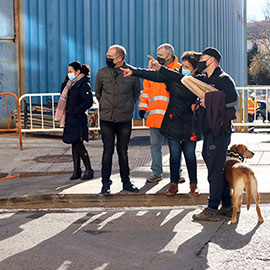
(214, 154)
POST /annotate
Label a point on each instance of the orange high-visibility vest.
(252, 106)
(155, 99)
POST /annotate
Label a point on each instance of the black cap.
(212, 52)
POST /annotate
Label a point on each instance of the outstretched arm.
(171, 75)
(150, 75)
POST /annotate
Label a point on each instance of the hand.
(153, 64)
(127, 72)
(141, 113)
(202, 102)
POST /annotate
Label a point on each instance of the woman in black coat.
(177, 123)
(76, 92)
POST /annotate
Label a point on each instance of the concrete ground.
(46, 155)
(137, 238)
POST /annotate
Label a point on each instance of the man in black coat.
(216, 138)
(117, 96)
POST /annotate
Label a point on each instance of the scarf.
(60, 114)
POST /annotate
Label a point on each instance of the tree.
(259, 55)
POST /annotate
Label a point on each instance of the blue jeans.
(214, 154)
(188, 148)
(156, 140)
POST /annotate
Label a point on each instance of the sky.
(255, 9)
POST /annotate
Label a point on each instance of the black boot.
(77, 166)
(89, 173)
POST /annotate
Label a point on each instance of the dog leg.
(256, 198)
(239, 203)
(234, 202)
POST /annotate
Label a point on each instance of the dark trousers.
(214, 155)
(188, 148)
(122, 131)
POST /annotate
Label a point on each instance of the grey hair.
(168, 47)
(120, 50)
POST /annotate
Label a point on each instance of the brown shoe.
(173, 189)
(194, 190)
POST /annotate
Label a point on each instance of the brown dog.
(240, 178)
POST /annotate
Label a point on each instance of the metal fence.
(38, 113)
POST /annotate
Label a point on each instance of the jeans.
(214, 154)
(156, 140)
(122, 131)
(188, 148)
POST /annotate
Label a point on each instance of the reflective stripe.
(143, 105)
(158, 98)
(156, 112)
(144, 95)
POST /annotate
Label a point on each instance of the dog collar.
(234, 155)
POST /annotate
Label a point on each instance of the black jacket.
(116, 95)
(177, 121)
(79, 100)
(220, 80)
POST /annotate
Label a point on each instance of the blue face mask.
(186, 72)
(71, 76)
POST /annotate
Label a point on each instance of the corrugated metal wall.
(57, 32)
(8, 60)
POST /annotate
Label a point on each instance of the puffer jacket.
(177, 122)
(155, 99)
(116, 94)
(79, 100)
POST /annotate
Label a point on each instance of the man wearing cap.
(216, 141)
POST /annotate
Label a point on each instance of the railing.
(46, 109)
(9, 129)
(262, 114)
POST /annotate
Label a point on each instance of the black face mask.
(110, 63)
(162, 61)
(202, 66)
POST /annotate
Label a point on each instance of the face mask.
(186, 72)
(162, 61)
(202, 66)
(110, 63)
(71, 76)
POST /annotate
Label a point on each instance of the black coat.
(177, 121)
(79, 100)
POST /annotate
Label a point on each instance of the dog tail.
(247, 180)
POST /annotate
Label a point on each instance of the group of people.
(171, 111)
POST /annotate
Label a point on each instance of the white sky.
(255, 9)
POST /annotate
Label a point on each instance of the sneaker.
(225, 211)
(182, 180)
(173, 189)
(206, 215)
(105, 190)
(130, 187)
(153, 178)
(194, 191)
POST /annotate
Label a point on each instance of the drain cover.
(53, 159)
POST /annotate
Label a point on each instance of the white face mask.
(71, 76)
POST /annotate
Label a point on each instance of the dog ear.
(234, 147)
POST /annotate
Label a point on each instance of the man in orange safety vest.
(154, 100)
(252, 106)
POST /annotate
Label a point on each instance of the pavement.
(137, 238)
(45, 165)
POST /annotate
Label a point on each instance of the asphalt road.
(145, 238)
